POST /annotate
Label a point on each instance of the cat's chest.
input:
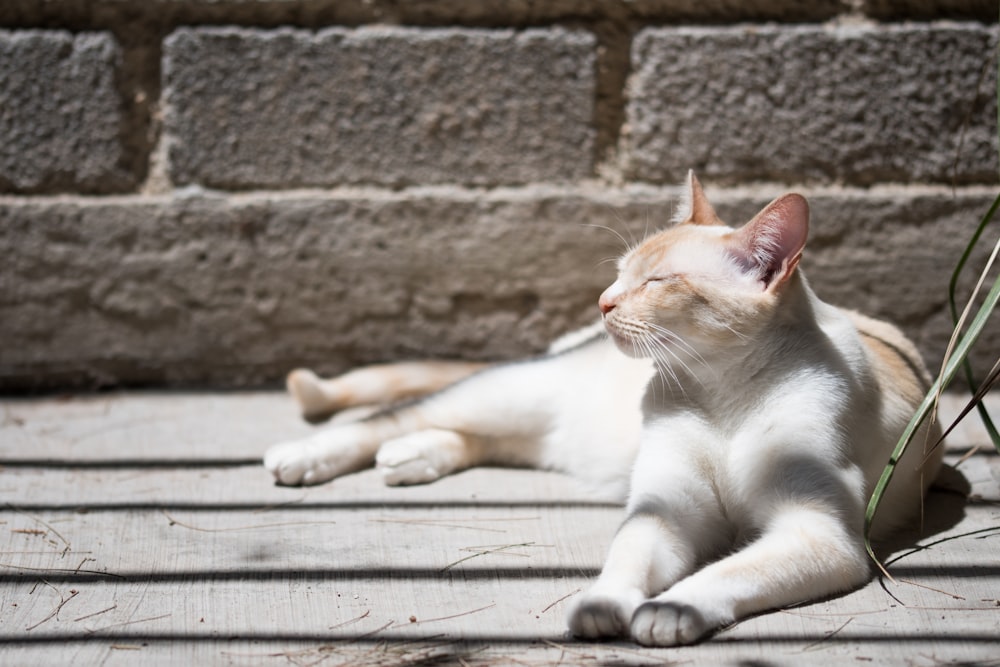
(728, 454)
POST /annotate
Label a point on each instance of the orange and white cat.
(754, 418)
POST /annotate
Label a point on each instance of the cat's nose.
(609, 299)
(606, 305)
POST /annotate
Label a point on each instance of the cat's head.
(703, 285)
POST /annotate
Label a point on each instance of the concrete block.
(60, 113)
(847, 104)
(236, 291)
(390, 106)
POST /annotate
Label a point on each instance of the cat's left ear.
(771, 244)
(700, 211)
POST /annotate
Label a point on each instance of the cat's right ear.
(771, 244)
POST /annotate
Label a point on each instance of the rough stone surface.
(236, 291)
(390, 106)
(425, 12)
(60, 115)
(477, 135)
(848, 104)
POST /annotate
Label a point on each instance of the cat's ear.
(771, 244)
(696, 209)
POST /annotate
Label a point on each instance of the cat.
(751, 480)
(743, 419)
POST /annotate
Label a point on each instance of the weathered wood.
(147, 427)
(253, 487)
(139, 527)
(220, 543)
(237, 427)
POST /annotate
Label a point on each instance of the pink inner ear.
(770, 245)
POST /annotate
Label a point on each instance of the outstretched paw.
(597, 615)
(297, 463)
(667, 624)
(421, 457)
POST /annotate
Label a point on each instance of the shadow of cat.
(944, 508)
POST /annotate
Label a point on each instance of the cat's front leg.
(803, 555)
(604, 612)
(644, 558)
(319, 458)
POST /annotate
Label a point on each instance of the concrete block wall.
(211, 193)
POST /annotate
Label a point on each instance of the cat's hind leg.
(380, 384)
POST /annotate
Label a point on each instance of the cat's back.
(896, 363)
(899, 380)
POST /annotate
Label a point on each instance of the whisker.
(680, 342)
(628, 247)
(646, 352)
(663, 363)
(686, 347)
(647, 339)
(741, 336)
(664, 371)
(606, 260)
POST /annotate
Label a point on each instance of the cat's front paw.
(667, 624)
(297, 463)
(600, 615)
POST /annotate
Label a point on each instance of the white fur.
(774, 453)
(576, 410)
(755, 451)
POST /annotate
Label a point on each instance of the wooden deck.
(139, 529)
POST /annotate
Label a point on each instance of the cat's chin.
(625, 345)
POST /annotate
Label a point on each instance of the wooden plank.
(494, 612)
(252, 486)
(211, 545)
(236, 426)
(214, 543)
(515, 555)
(217, 565)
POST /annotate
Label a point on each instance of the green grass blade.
(952, 289)
(952, 366)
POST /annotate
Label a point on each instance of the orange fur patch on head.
(704, 281)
